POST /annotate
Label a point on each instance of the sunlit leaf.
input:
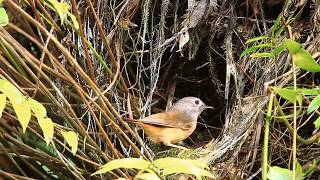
(147, 176)
(23, 112)
(301, 57)
(288, 94)
(72, 139)
(261, 55)
(3, 100)
(61, 7)
(194, 167)
(305, 61)
(37, 108)
(74, 20)
(257, 39)
(10, 91)
(308, 92)
(46, 125)
(276, 172)
(123, 163)
(314, 104)
(317, 122)
(4, 19)
(253, 48)
(279, 49)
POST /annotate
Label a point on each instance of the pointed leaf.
(37, 108)
(299, 172)
(305, 61)
(314, 104)
(175, 165)
(256, 39)
(72, 139)
(3, 100)
(123, 163)
(4, 19)
(10, 91)
(288, 94)
(23, 112)
(147, 176)
(261, 55)
(46, 125)
(74, 20)
(317, 122)
(301, 57)
(253, 48)
(61, 7)
(276, 172)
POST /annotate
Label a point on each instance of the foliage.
(302, 59)
(159, 168)
(23, 106)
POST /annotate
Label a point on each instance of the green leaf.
(301, 57)
(317, 122)
(135, 163)
(314, 104)
(74, 20)
(275, 26)
(299, 172)
(46, 125)
(261, 55)
(147, 176)
(4, 19)
(308, 92)
(3, 100)
(279, 49)
(175, 165)
(288, 94)
(292, 46)
(23, 112)
(10, 91)
(61, 7)
(38, 109)
(305, 61)
(72, 139)
(276, 172)
(253, 48)
(256, 39)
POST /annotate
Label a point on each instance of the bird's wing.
(170, 119)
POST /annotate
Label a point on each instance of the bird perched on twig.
(175, 124)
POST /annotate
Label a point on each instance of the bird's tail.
(134, 121)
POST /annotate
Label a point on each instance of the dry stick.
(13, 176)
(13, 161)
(67, 75)
(86, 78)
(78, 126)
(84, 42)
(105, 41)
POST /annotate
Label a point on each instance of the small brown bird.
(175, 124)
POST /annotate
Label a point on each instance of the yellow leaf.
(38, 109)
(46, 125)
(10, 91)
(3, 99)
(72, 139)
(123, 163)
(23, 112)
(74, 20)
(61, 8)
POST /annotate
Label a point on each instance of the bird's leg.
(175, 146)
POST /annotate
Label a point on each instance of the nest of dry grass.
(127, 60)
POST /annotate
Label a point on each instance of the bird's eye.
(196, 102)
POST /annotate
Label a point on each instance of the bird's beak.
(208, 107)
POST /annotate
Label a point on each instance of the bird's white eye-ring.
(197, 102)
